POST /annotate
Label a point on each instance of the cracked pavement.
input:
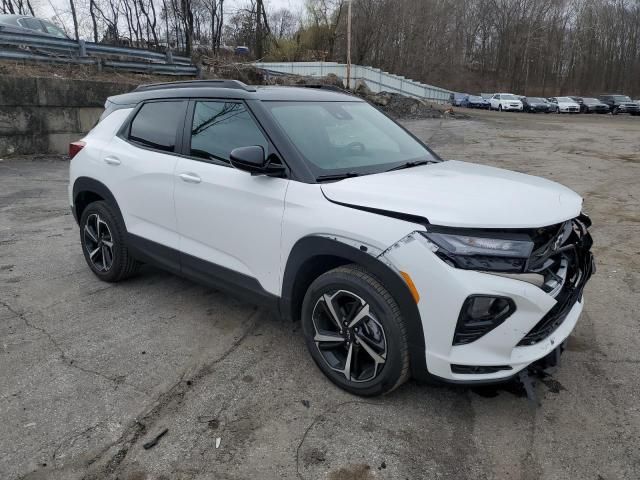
(90, 371)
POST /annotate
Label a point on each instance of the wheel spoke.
(362, 313)
(332, 312)
(91, 234)
(347, 363)
(377, 358)
(94, 253)
(328, 337)
(107, 243)
(104, 257)
(97, 226)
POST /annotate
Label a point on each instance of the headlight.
(475, 251)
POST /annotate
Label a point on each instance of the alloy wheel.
(348, 336)
(98, 242)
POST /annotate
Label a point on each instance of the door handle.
(190, 178)
(111, 160)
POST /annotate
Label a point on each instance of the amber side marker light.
(412, 286)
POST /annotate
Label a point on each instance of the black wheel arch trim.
(91, 185)
(310, 247)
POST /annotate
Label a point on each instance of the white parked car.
(565, 105)
(506, 102)
(314, 203)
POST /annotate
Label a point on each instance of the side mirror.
(252, 159)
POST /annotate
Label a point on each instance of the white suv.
(505, 102)
(313, 202)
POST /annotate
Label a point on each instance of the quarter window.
(219, 127)
(156, 124)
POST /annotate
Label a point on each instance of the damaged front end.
(557, 259)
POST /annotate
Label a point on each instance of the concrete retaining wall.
(43, 115)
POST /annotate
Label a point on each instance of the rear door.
(141, 162)
(229, 220)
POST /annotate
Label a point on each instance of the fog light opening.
(479, 315)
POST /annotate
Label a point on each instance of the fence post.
(82, 48)
(169, 56)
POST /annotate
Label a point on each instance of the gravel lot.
(90, 371)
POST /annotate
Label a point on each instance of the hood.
(569, 104)
(461, 194)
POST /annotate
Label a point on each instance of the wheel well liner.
(87, 190)
(313, 255)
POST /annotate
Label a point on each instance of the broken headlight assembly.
(478, 250)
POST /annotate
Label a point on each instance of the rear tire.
(355, 331)
(102, 236)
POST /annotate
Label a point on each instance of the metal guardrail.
(41, 48)
(376, 79)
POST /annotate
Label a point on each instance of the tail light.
(75, 147)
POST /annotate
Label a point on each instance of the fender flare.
(87, 184)
(310, 247)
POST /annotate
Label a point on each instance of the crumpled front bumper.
(443, 289)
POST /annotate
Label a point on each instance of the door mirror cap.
(252, 159)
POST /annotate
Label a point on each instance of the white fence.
(376, 79)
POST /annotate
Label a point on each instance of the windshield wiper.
(409, 165)
(336, 176)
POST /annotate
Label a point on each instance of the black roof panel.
(232, 89)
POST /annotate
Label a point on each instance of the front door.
(229, 221)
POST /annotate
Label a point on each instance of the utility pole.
(349, 44)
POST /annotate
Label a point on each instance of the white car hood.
(461, 194)
(568, 104)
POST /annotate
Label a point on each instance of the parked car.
(28, 24)
(505, 102)
(535, 105)
(620, 104)
(317, 205)
(564, 105)
(475, 101)
(593, 105)
(456, 99)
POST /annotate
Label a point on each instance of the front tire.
(102, 235)
(355, 331)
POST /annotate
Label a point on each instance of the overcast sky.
(46, 7)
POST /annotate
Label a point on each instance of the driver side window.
(218, 127)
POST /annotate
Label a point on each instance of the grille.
(575, 257)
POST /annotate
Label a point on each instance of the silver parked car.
(28, 24)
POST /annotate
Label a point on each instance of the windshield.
(338, 137)
(475, 98)
(590, 100)
(621, 98)
(566, 99)
(508, 96)
(535, 100)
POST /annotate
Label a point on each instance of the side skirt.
(202, 272)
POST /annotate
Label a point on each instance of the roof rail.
(196, 84)
(322, 86)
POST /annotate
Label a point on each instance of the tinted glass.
(334, 136)
(156, 124)
(590, 100)
(621, 98)
(53, 30)
(31, 24)
(508, 97)
(534, 99)
(219, 127)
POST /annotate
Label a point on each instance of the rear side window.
(219, 127)
(156, 125)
